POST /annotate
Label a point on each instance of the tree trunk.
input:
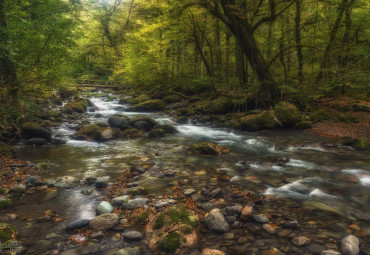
(8, 76)
(240, 65)
(218, 51)
(227, 57)
(298, 40)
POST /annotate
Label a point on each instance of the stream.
(320, 174)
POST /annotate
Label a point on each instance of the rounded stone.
(104, 221)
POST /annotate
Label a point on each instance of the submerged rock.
(246, 212)
(7, 231)
(36, 141)
(5, 203)
(104, 222)
(77, 224)
(215, 221)
(350, 245)
(129, 251)
(301, 241)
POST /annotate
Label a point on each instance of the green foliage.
(320, 115)
(159, 221)
(143, 217)
(361, 144)
(68, 92)
(7, 231)
(171, 242)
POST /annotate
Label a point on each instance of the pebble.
(235, 209)
(260, 218)
(51, 235)
(315, 248)
(230, 219)
(104, 222)
(301, 241)
(284, 232)
(205, 206)
(269, 228)
(293, 224)
(350, 245)
(87, 191)
(216, 192)
(133, 236)
(129, 251)
(134, 203)
(189, 192)
(97, 235)
(272, 251)
(246, 212)
(101, 185)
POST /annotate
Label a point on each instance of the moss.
(130, 133)
(361, 144)
(180, 214)
(303, 125)
(143, 218)
(159, 221)
(76, 106)
(182, 119)
(143, 118)
(186, 230)
(150, 106)
(287, 113)
(264, 120)
(172, 99)
(168, 129)
(220, 105)
(6, 150)
(320, 115)
(7, 231)
(5, 203)
(91, 131)
(171, 242)
(156, 133)
(207, 148)
(141, 98)
(67, 92)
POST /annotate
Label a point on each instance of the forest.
(184, 127)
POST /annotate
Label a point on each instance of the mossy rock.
(141, 98)
(168, 129)
(172, 99)
(287, 113)
(67, 92)
(320, 115)
(182, 120)
(7, 232)
(171, 242)
(143, 118)
(361, 144)
(149, 106)
(91, 131)
(303, 125)
(156, 133)
(34, 130)
(254, 122)
(5, 203)
(76, 106)
(220, 105)
(6, 150)
(207, 148)
(130, 133)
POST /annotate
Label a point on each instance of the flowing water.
(334, 178)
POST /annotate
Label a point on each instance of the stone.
(232, 210)
(97, 235)
(260, 218)
(143, 125)
(293, 224)
(287, 113)
(269, 228)
(90, 248)
(134, 203)
(104, 222)
(36, 141)
(168, 129)
(101, 185)
(118, 201)
(31, 181)
(87, 191)
(228, 236)
(215, 221)
(230, 219)
(106, 134)
(6, 231)
(34, 130)
(207, 148)
(119, 121)
(189, 192)
(129, 251)
(90, 180)
(205, 206)
(246, 212)
(77, 224)
(149, 106)
(48, 195)
(285, 232)
(272, 251)
(104, 207)
(315, 248)
(208, 251)
(51, 236)
(20, 188)
(301, 241)
(133, 236)
(330, 252)
(350, 245)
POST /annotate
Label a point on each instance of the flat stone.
(301, 241)
(350, 245)
(118, 201)
(205, 206)
(77, 224)
(49, 195)
(215, 221)
(228, 236)
(284, 232)
(134, 203)
(87, 191)
(161, 204)
(20, 188)
(208, 251)
(97, 235)
(315, 248)
(260, 218)
(232, 210)
(101, 185)
(293, 224)
(104, 207)
(133, 236)
(51, 235)
(330, 252)
(189, 192)
(89, 249)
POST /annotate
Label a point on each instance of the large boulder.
(104, 222)
(156, 133)
(91, 132)
(34, 130)
(149, 106)
(67, 92)
(107, 134)
(287, 113)
(220, 105)
(119, 121)
(216, 222)
(168, 129)
(172, 99)
(79, 106)
(7, 232)
(143, 123)
(207, 148)
(254, 122)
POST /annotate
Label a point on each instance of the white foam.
(207, 132)
(362, 175)
(301, 164)
(320, 194)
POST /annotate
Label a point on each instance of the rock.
(129, 251)
(34, 130)
(90, 248)
(189, 192)
(89, 131)
(230, 219)
(48, 195)
(330, 252)
(272, 251)
(145, 123)
(287, 114)
(20, 188)
(97, 235)
(156, 133)
(208, 251)
(246, 213)
(36, 141)
(220, 105)
(51, 236)
(5, 203)
(215, 193)
(118, 201)
(90, 180)
(119, 121)
(301, 241)
(260, 218)
(269, 228)
(106, 134)
(133, 236)
(79, 106)
(235, 209)
(293, 224)
(285, 232)
(361, 144)
(228, 236)
(254, 122)
(205, 206)
(7, 231)
(215, 221)
(104, 222)
(101, 185)
(31, 181)
(149, 106)
(168, 129)
(136, 191)
(130, 133)
(134, 203)
(207, 148)
(315, 248)
(141, 98)
(77, 224)
(350, 245)
(104, 207)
